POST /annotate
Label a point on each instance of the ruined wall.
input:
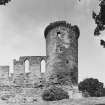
(34, 69)
(19, 72)
(62, 52)
(4, 74)
(19, 67)
(34, 64)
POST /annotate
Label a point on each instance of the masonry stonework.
(61, 64)
(61, 58)
(19, 72)
(34, 67)
(62, 52)
(34, 64)
(21, 77)
(4, 75)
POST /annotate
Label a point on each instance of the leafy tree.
(3, 2)
(100, 21)
(103, 92)
(92, 86)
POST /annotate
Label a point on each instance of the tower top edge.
(61, 23)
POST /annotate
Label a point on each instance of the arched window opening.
(43, 66)
(59, 34)
(26, 66)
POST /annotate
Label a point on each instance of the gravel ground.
(83, 101)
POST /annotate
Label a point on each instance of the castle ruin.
(61, 60)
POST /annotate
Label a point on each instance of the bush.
(92, 86)
(100, 93)
(103, 91)
(54, 93)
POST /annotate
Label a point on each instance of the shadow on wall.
(65, 78)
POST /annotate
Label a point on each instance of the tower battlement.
(61, 23)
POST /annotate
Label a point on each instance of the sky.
(22, 24)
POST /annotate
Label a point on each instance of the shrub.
(100, 92)
(54, 93)
(85, 94)
(92, 86)
(103, 91)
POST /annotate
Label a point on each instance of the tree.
(91, 86)
(100, 21)
(3, 2)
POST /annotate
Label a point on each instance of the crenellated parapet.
(60, 24)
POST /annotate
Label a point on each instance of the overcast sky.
(22, 23)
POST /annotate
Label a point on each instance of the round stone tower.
(62, 53)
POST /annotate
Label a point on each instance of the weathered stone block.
(4, 75)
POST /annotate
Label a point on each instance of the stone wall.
(34, 64)
(62, 52)
(4, 75)
(18, 67)
(61, 67)
(61, 57)
(19, 72)
(34, 74)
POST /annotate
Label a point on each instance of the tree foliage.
(100, 21)
(92, 86)
(3, 2)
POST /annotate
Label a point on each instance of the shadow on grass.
(99, 104)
